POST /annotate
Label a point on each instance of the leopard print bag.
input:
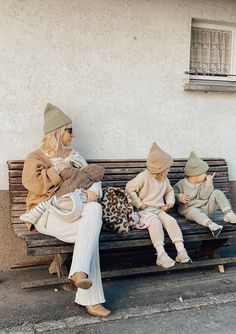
(118, 211)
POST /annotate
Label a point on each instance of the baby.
(76, 175)
(150, 191)
(198, 200)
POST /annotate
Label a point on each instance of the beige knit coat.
(40, 178)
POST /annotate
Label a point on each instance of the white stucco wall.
(117, 68)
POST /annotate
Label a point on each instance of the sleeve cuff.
(139, 204)
(54, 176)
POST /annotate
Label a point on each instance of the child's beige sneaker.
(165, 261)
(183, 257)
(230, 217)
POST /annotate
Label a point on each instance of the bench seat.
(117, 174)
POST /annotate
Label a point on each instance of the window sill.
(210, 86)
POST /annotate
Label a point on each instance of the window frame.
(198, 23)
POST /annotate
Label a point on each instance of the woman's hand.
(91, 196)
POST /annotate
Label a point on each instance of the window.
(212, 53)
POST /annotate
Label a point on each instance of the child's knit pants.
(84, 232)
(155, 220)
(216, 200)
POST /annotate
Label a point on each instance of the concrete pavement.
(49, 309)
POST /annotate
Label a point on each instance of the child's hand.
(165, 207)
(209, 178)
(142, 207)
(183, 198)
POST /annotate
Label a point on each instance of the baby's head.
(158, 162)
(195, 168)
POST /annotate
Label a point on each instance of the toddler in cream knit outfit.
(197, 199)
(150, 191)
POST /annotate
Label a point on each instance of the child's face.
(200, 178)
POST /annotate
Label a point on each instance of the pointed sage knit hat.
(158, 160)
(54, 118)
(195, 166)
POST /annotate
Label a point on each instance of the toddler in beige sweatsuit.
(197, 199)
(150, 191)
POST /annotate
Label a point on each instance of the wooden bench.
(117, 172)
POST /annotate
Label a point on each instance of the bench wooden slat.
(123, 245)
(16, 183)
(18, 164)
(188, 228)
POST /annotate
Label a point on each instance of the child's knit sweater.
(198, 193)
(145, 189)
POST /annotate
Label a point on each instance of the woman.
(41, 177)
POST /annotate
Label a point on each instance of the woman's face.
(67, 135)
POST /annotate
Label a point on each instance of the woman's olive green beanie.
(54, 118)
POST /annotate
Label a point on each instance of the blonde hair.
(52, 142)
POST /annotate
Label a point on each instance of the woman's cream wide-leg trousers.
(84, 233)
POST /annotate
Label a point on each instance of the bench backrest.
(117, 174)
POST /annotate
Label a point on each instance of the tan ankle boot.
(97, 310)
(80, 280)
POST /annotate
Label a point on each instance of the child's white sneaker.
(28, 217)
(230, 217)
(183, 257)
(215, 229)
(165, 261)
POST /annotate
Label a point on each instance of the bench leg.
(211, 250)
(58, 267)
(215, 254)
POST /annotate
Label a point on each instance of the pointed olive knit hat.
(195, 166)
(54, 118)
(158, 160)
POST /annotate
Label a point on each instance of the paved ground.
(169, 299)
(218, 319)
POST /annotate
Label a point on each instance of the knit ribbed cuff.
(54, 176)
(139, 204)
